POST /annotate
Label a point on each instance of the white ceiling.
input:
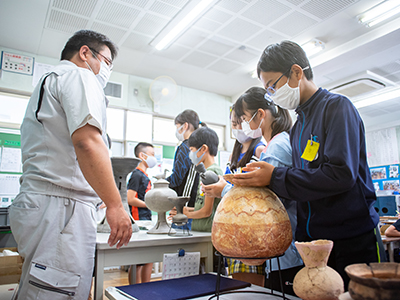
(218, 53)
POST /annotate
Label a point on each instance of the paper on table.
(176, 266)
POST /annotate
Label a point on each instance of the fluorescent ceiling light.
(254, 74)
(380, 12)
(189, 14)
(313, 47)
(384, 95)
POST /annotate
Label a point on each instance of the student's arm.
(133, 200)
(95, 163)
(203, 212)
(391, 231)
(259, 150)
(181, 167)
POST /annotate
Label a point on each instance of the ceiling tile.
(232, 5)
(296, 2)
(65, 22)
(224, 66)
(192, 37)
(266, 11)
(84, 8)
(264, 39)
(151, 24)
(174, 52)
(215, 47)
(324, 9)
(294, 23)
(177, 3)
(117, 14)
(241, 56)
(164, 9)
(199, 59)
(138, 3)
(207, 24)
(217, 15)
(137, 41)
(113, 33)
(239, 30)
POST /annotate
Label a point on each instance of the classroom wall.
(212, 108)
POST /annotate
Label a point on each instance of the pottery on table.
(378, 281)
(157, 200)
(317, 281)
(122, 166)
(179, 202)
(251, 222)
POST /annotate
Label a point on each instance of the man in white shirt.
(66, 171)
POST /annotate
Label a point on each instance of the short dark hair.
(281, 57)
(92, 39)
(141, 148)
(205, 135)
(253, 99)
(191, 117)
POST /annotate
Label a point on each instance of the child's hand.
(214, 190)
(172, 213)
(258, 174)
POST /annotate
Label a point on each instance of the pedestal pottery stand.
(217, 287)
(122, 166)
(157, 200)
(180, 219)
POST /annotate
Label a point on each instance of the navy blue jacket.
(335, 193)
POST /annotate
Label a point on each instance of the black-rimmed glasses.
(109, 61)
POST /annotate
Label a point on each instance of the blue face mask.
(193, 156)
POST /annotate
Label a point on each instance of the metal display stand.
(217, 288)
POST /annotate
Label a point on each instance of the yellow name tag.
(311, 151)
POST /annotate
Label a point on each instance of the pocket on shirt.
(46, 282)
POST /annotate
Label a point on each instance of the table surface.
(143, 239)
(112, 294)
(387, 239)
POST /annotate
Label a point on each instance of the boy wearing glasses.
(330, 178)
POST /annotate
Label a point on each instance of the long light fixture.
(183, 20)
(384, 95)
(313, 47)
(380, 12)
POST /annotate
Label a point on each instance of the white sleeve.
(82, 99)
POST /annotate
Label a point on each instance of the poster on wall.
(386, 178)
(382, 147)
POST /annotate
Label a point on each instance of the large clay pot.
(251, 222)
(157, 200)
(317, 281)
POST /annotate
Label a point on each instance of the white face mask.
(287, 97)
(178, 135)
(252, 133)
(240, 136)
(151, 161)
(104, 72)
(193, 156)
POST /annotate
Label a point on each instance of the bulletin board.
(10, 166)
(386, 177)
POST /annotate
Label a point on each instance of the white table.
(112, 294)
(147, 248)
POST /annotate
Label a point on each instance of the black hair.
(237, 150)
(281, 57)
(141, 148)
(191, 117)
(253, 99)
(207, 136)
(92, 39)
